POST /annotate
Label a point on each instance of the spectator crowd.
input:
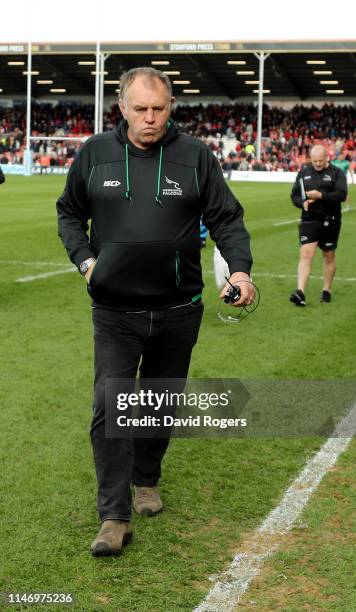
(69, 120)
(230, 130)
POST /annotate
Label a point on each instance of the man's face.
(146, 108)
(319, 161)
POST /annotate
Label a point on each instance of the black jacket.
(145, 207)
(2, 176)
(331, 182)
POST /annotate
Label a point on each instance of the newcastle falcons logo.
(173, 188)
(176, 185)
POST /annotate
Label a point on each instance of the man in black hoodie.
(145, 187)
(318, 190)
(2, 176)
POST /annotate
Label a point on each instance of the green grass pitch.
(214, 490)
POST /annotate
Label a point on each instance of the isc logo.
(111, 183)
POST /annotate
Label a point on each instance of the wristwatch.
(85, 265)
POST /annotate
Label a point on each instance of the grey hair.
(128, 77)
(318, 149)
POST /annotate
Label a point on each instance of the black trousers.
(162, 340)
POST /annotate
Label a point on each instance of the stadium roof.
(204, 66)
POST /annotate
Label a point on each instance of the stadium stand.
(229, 130)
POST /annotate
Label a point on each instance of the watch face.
(83, 267)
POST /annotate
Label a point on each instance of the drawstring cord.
(157, 199)
(127, 193)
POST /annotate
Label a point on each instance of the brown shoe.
(147, 501)
(112, 537)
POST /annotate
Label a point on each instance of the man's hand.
(90, 272)
(314, 194)
(307, 203)
(246, 288)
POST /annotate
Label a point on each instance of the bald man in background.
(318, 190)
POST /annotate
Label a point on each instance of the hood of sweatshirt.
(171, 134)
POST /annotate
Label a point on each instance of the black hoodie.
(145, 208)
(2, 176)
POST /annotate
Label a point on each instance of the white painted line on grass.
(347, 279)
(28, 279)
(347, 209)
(9, 262)
(286, 222)
(230, 586)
